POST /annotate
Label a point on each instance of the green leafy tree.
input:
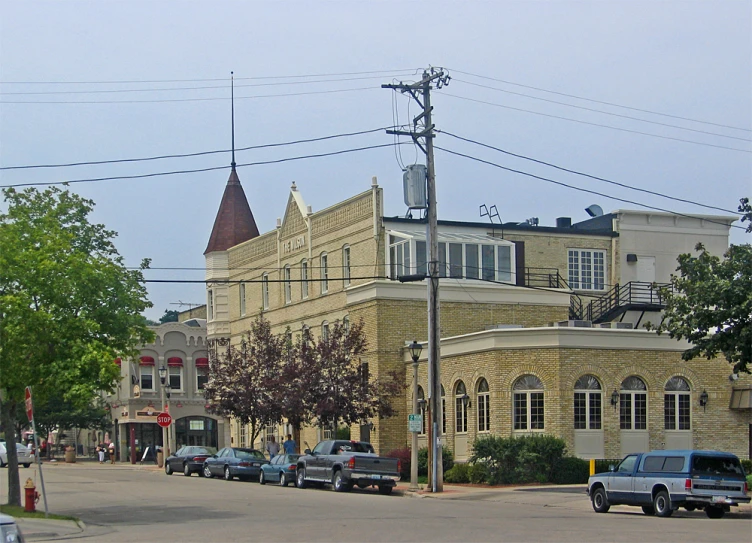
(710, 305)
(170, 315)
(68, 306)
(745, 208)
(57, 412)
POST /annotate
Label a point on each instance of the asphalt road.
(125, 504)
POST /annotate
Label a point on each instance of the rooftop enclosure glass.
(461, 256)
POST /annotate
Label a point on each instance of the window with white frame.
(175, 377)
(288, 285)
(210, 305)
(304, 279)
(587, 269)
(346, 324)
(242, 299)
(676, 404)
(528, 404)
(633, 404)
(243, 435)
(146, 377)
(346, 265)
(202, 376)
(421, 407)
(484, 412)
(588, 404)
(324, 273)
(265, 291)
(460, 408)
(461, 256)
(325, 330)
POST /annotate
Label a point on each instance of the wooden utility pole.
(423, 128)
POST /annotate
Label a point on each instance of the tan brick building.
(502, 289)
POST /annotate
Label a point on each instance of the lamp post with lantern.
(415, 349)
(168, 393)
(162, 377)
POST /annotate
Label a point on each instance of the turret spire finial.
(232, 108)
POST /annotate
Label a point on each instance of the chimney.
(563, 222)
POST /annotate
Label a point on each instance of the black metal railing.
(632, 295)
(544, 277)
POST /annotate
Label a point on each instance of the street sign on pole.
(415, 423)
(164, 419)
(29, 405)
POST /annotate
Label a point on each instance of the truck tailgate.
(376, 465)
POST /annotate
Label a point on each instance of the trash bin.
(160, 458)
(70, 455)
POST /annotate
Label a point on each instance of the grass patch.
(18, 512)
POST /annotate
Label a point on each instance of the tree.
(68, 305)
(57, 412)
(746, 209)
(710, 305)
(170, 315)
(244, 381)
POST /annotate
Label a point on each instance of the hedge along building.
(342, 263)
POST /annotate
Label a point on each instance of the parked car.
(9, 530)
(231, 462)
(662, 481)
(25, 457)
(188, 459)
(346, 463)
(280, 470)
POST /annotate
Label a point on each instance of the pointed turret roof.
(234, 223)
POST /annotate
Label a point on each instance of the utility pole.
(423, 129)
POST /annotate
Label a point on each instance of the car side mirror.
(611, 468)
(307, 451)
(214, 456)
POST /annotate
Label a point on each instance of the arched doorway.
(200, 431)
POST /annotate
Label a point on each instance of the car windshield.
(249, 454)
(716, 465)
(292, 458)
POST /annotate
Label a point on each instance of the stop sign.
(164, 420)
(29, 408)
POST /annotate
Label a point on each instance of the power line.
(604, 112)
(585, 174)
(186, 155)
(594, 124)
(560, 183)
(412, 70)
(602, 102)
(165, 100)
(199, 170)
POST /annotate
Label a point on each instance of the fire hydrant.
(32, 496)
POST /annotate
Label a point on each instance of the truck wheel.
(690, 507)
(385, 490)
(300, 478)
(339, 484)
(715, 512)
(662, 504)
(600, 501)
(26, 465)
(648, 510)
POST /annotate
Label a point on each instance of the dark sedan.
(233, 462)
(188, 459)
(280, 470)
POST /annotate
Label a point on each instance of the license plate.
(375, 476)
(719, 499)
(255, 464)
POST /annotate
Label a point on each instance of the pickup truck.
(663, 481)
(346, 463)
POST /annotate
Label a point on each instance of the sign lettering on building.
(293, 244)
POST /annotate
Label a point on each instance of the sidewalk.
(481, 492)
(40, 529)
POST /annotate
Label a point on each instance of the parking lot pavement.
(39, 529)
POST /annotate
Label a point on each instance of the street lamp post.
(415, 350)
(162, 377)
(168, 392)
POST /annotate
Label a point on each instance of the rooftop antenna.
(491, 212)
(190, 305)
(232, 110)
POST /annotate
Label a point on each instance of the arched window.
(346, 265)
(676, 404)
(265, 290)
(304, 279)
(528, 403)
(588, 404)
(460, 408)
(421, 407)
(324, 273)
(633, 404)
(288, 285)
(484, 412)
(443, 411)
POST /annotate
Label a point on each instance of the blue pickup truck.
(663, 481)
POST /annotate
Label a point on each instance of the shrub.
(447, 460)
(570, 471)
(747, 465)
(478, 473)
(521, 459)
(404, 456)
(460, 473)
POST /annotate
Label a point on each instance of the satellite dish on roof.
(594, 210)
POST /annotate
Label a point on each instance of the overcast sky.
(689, 61)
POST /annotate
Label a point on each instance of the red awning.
(202, 362)
(146, 361)
(175, 361)
(118, 361)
